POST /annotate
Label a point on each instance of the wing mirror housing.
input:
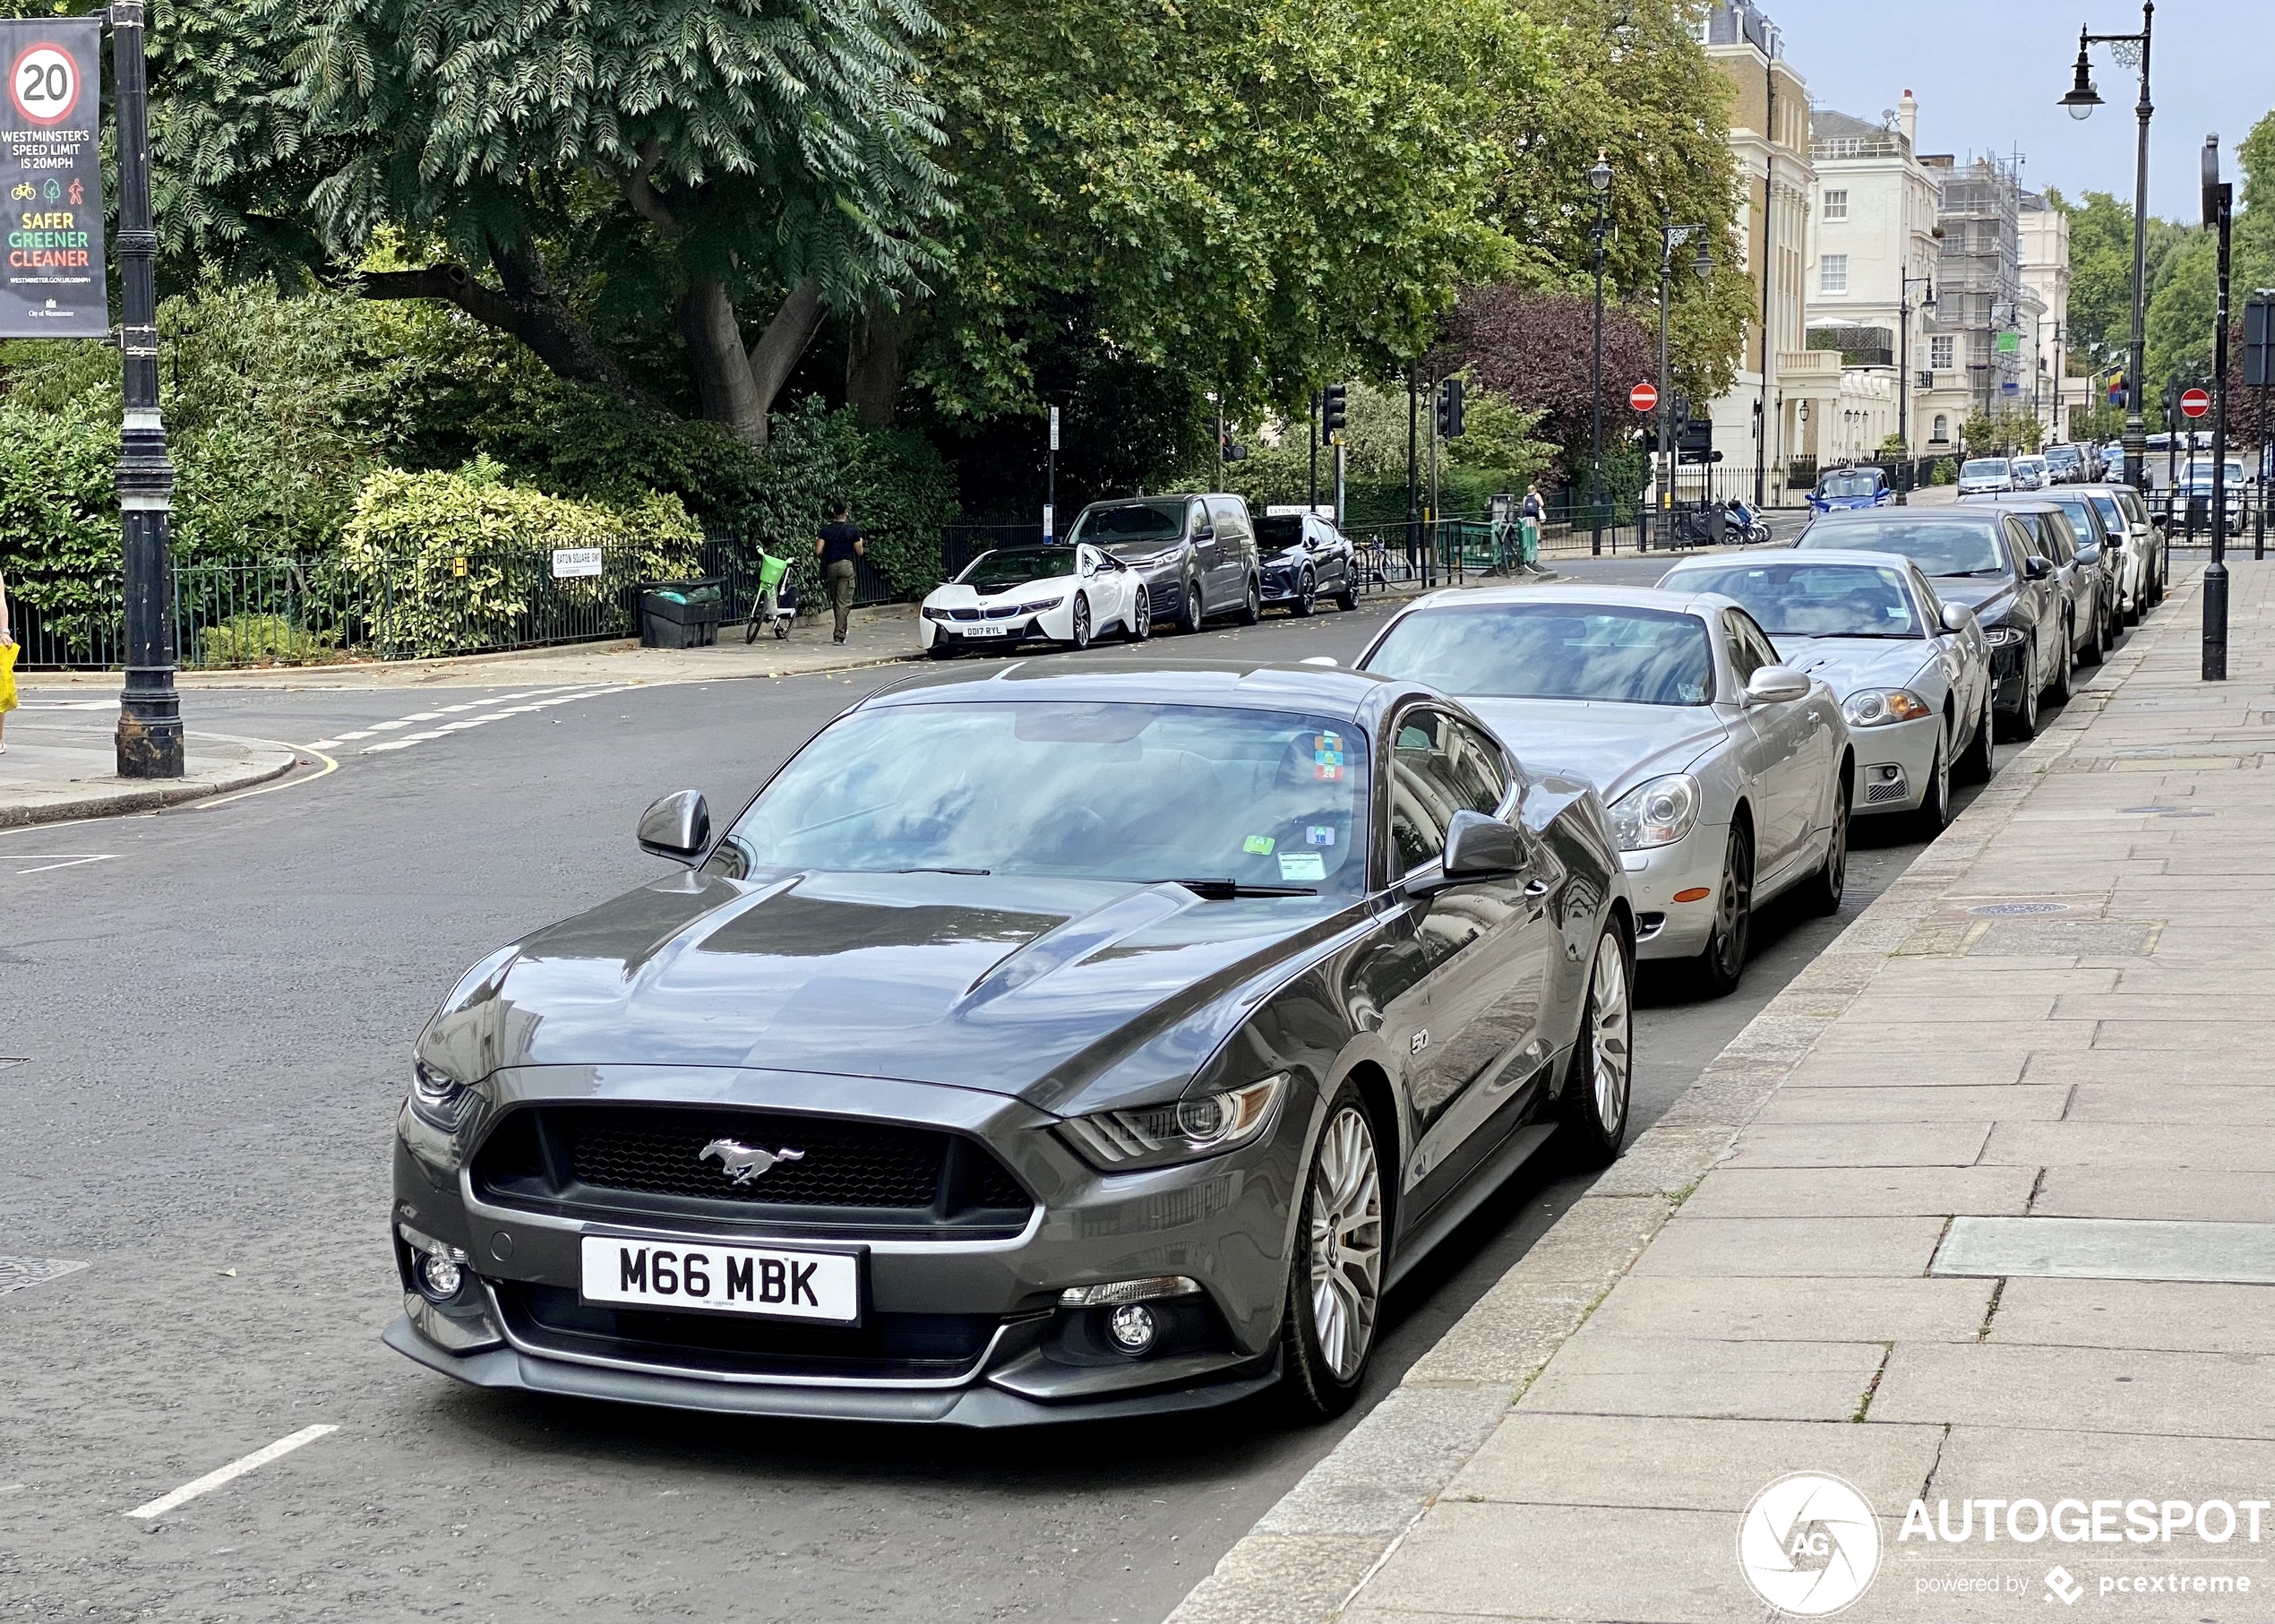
(2039, 568)
(1477, 847)
(1958, 617)
(677, 828)
(1324, 661)
(1775, 685)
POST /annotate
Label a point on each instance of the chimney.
(1908, 120)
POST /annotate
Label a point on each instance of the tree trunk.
(535, 315)
(774, 357)
(876, 356)
(724, 381)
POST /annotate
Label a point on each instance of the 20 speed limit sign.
(44, 84)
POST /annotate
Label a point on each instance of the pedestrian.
(1529, 516)
(7, 663)
(838, 545)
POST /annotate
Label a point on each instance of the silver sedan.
(1727, 773)
(1913, 674)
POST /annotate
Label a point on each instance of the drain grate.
(16, 1273)
(2019, 910)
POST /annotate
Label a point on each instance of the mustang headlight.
(1658, 812)
(438, 1101)
(1880, 707)
(1160, 1136)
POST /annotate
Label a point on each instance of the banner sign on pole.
(51, 172)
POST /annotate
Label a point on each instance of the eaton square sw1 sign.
(51, 174)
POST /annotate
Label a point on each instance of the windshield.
(1130, 521)
(1017, 566)
(1278, 535)
(2112, 515)
(2079, 510)
(1553, 651)
(1939, 548)
(1985, 467)
(2199, 473)
(1846, 484)
(1129, 792)
(1810, 599)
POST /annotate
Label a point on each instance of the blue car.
(1844, 490)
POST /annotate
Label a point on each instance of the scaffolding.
(1979, 279)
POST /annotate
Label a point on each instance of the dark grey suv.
(1196, 554)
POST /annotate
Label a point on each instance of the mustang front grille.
(704, 1162)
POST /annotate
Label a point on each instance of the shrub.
(1944, 472)
(459, 562)
(264, 640)
(59, 541)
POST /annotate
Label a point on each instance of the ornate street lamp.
(1599, 183)
(2129, 49)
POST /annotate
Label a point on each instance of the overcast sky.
(1989, 73)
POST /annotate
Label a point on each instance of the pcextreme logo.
(1808, 1544)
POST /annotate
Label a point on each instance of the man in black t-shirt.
(838, 545)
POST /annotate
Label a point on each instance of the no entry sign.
(51, 283)
(1643, 396)
(2195, 403)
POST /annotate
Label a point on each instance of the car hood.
(1021, 987)
(1846, 664)
(1613, 746)
(955, 594)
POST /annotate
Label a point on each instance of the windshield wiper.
(939, 870)
(1226, 891)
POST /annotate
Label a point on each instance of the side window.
(1197, 521)
(2020, 539)
(1230, 515)
(1764, 649)
(1931, 607)
(1478, 768)
(1423, 798)
(2061, 546)
(1745, 657)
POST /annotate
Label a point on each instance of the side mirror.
(678, 827)
(1478, 847)
(2038, 567)
(1318, 660)
(1776, 684)
(1957, 617)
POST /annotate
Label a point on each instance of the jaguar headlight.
(1160, 1136)
(439, 1100)
(2001, 637)
(1882, 706)
(1658, 812)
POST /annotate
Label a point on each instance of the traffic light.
(1695, 441)
(1449, 409)
(1334, 403)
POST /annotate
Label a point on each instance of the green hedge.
(59, 532)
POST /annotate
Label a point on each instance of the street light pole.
(1600, 181)
(1903, 369)
(2219, 210)
(150, 710)
(2081, 102)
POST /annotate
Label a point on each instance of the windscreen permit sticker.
(1319, 834)
(1258, 845)
(1302, 865)
(1327, 756)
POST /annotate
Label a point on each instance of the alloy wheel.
(1307, 593)
(1611, 1035)
(1081, 639)
(1141, 617)
(1346, 1241)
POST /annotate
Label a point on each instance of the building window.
(1833, 273)
(1943, 430)
(1836, 205)
(1939, 352)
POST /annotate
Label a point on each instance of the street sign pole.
(149, 719)
(2219, 210)
(2259, 334)
(1051, 483)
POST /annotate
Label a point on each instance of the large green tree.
(754, 163)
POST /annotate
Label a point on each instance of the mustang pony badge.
(741, 1162)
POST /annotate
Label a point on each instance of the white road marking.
(235, 1469)
(66, 863)
(493, 710)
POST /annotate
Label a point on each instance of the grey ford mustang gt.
(1035, 1046)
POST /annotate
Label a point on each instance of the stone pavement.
(62, 765)
(1979, 1213)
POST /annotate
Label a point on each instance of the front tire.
(2098, 650)
(1189, 609)
(1307, 597)
(1975, 765)
(1602, 1075)
(2024, 724)
(1724, 962)
(1252, 606)
(1335, 1280)
(1080, 637)
(2060, 688)
(1933, 816)
(1822, 895)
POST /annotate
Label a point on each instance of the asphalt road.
(212, 1023)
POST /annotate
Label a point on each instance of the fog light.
(440, 1276)
(1132, 1327)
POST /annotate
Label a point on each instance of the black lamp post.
(1903, 370)
(1672, 237)
(1599, 183)
(150, 710)
(2081, 102)
(2219, 210)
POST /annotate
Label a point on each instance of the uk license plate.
(982, 629)
(766, 1282)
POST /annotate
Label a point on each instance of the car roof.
(1817, 555)
(1867, 519)
(1580, 594)
(1240, 684)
